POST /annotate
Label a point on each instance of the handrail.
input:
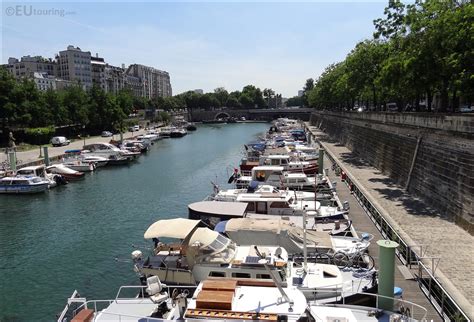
(399, 303)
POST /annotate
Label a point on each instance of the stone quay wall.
(432, 155)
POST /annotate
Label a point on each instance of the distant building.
(75, 65)
(44, 81)
(198, 91)
(154, 82)
(98, 72)
(134, 84)
(27, 66)
(114, 79)
(300, 93)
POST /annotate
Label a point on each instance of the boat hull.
(24, 189)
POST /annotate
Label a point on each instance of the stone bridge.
(252, 114)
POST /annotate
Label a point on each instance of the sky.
(203, 45)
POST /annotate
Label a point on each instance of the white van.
(59, 141)
(392, 107)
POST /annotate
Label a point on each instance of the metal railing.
(408, 309)
(444, 304)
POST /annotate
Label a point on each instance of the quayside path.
(432, 244)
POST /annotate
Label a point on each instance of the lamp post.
(84, 134)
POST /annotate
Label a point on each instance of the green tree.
(222, 95)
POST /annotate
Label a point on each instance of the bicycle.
(357, 259)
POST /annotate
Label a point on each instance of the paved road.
(33, 155)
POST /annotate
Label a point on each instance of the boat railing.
(403, 307)
(99, 305)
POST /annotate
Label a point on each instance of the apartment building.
(26, 66)
(75, 65)
(154, 82)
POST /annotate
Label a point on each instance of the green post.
(321, 161)
(12, 158)
(386, 273)
(121, 137)
(46, 156)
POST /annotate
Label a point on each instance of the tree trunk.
(455, 102)
(374, 97)
(429, 98)
(417, 101)
(444, 96)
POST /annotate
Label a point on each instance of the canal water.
(80, 236)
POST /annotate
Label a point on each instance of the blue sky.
(201, 44)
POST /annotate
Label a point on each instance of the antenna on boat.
(305, 248)
(263, 260)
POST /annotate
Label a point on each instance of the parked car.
(392, 107)
(59, 141)
(466, 109)
(134, 128)
(106, 134)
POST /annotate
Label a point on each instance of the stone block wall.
(443, 172)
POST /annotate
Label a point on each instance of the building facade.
(98, 72)
(75, 65)
(114, 79)
(44, 81)
(28, 65)
(154, 82)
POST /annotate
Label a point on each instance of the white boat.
(154, 302)
(288, 164)
(98, 160)
(287, 205)
(40, 171)
(80, 165)
(229, 300)
(205, 253)
(232, 194)
(23, 185)
(105, 150)
(165, 132)
(66, 172)
(279, 232)
(278, 177)
(178, 132)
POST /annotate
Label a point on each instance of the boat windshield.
(221, 250)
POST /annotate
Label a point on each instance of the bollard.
(12, 159)
(46, 156)
(386, 273)
(121, 137)
(321, 161)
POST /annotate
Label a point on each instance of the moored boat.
(23, 185)
(40, 171)
(66, 172)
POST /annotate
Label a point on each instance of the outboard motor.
(60, 180)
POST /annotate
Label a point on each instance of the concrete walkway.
(33, 155)
(416, 223)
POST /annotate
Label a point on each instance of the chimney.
(97, 55)
(123, 66)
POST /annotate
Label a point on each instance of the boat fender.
(137, 255)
